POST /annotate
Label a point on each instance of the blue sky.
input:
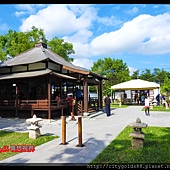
(139, 34)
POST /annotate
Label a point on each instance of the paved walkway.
(97, 133)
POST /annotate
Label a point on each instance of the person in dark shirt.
(107, 102)
(158, 99)
(79, 94)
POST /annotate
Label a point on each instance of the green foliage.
(113, 69)
(61, 48)
(165, 88)
(17, 138)
(135, 75)
(93, 89)
(156, 148)
(157, 75)
(147, 75)
(158, 108)
(14, 43)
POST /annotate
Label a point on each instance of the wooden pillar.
(100, 95)
(85, 93)
(16, 104)
(49, 97)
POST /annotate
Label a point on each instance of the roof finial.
(40, 43)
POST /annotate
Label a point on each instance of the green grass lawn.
(156, 148)
(154, 108)
(16, 138)
(116, 105)
(159, 108)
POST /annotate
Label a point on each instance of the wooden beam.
(76, 70)
(91, 81)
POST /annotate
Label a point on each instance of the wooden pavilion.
(30, 81)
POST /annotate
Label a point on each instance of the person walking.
(158, 99)
(147, 105)
(107, 102)
(71, 102)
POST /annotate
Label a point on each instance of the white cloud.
(130, 37)
(85, 63)
(134, 10)
(81, 36)
(59, 20)
(26, 7)
(18, 14)
(74, 23)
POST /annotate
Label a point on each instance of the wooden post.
(63, 131)
(49, 97)
(16, 102)
(80, 132)
(100, 97)
(85, 94)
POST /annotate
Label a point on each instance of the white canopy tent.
(136, 84)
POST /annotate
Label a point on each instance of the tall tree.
(147, 75)
(2, 47)
(135, 74)
(160, 75)
(165, 88)
(14, 43)
(61, 48)
(113, 69)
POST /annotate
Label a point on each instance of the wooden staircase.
(80, 109)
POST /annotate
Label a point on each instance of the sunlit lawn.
(156, 148)
(159, 108)
(117, 105)
(154, 108)
(16, 138)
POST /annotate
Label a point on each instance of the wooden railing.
(32, 105)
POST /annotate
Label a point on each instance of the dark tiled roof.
(38, 54)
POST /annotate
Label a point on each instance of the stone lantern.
(34, 129)
(137, 135)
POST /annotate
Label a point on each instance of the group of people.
(140, 99)
(161, 99)
(72, 101)
(145, 100)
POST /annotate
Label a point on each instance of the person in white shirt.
(147, 105)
